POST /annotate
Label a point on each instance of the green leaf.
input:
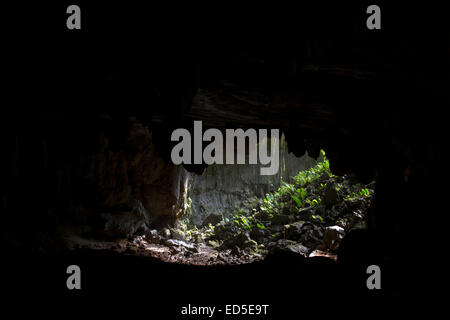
(303, 194)
(245, 223)
(297, 200)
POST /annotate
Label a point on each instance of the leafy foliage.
(308, 190)
(364, 192)
(298, 212)
(243, 222)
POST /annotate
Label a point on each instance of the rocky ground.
(308, 217)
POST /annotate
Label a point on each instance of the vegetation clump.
(296, 215)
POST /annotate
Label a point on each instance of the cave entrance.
(230, 214)
(233, 215)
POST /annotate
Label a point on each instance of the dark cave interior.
(86, 131)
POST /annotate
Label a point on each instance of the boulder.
(259, 235)
(289, 246)
(152, 236)
(213, 219)
(319, 253)
(331, 238)
(241, 241)
(224, 231)
(180, 243)
(123, 224)
(331, 196)
(298, 248)
(177, 234)
(294, 231)
(281, 219)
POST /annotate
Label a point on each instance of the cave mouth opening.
(232, 215)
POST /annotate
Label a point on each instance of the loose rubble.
(309, 217)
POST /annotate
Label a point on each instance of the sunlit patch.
(307, 216)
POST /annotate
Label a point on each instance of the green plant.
(364, 192)
(303, 193)
(242, 222)
(297, 201)
(320, 169)
(261, 226)
(307, 189)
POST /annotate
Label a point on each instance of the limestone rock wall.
(223, 187)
